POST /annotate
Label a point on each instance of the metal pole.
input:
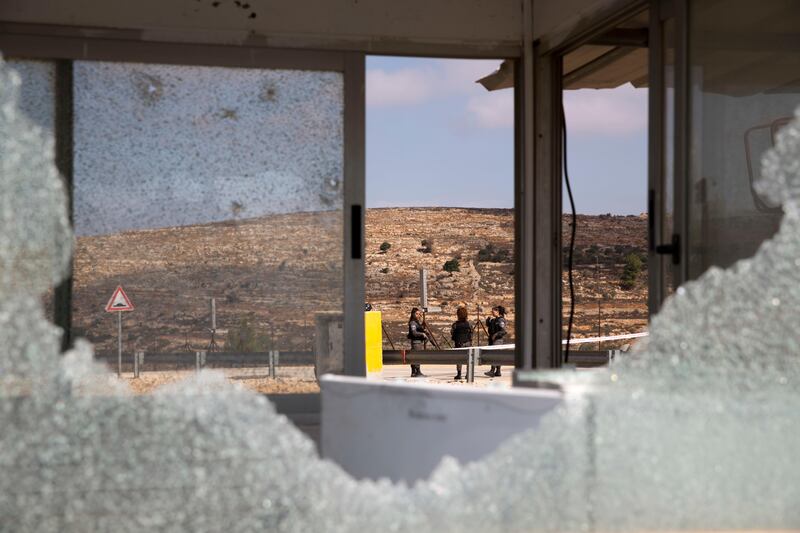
(213, 314)
(471, 365)
(119, 344)
(599, 297)
(423, 287)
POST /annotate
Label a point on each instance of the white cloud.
(400, 87)
(493, 109)
(435, 78)
(618, 111)
(460, 75)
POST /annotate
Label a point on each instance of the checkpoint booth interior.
(721, 75)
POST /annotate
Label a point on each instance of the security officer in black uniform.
(461, 333)
(417, 335)
(496, 327)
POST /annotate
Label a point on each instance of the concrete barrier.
(402, 431)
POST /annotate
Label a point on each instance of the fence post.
(138, 359)
(199, 360)
(272, 363)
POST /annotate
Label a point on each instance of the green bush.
(634, 262)
(633, 266)
(385, 246)
(491, 253)
(385, 270)
(246, 338)
(452, 266)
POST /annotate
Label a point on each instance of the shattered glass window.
(696, 430)
(37, 101)
(744, 88)
(213, 197)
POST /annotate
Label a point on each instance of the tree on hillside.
(633, 266)
(246, 338)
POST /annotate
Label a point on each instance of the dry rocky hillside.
(271, 275)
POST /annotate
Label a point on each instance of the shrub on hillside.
(492, 254)
(385, 246)
(633, 266)
(427, 246)
(451, 266)
(246, 338)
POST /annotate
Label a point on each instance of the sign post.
(119, 303)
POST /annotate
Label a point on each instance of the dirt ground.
(299, 380)
(289, 380)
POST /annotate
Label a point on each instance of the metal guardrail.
(472, 357)
(494, 357)
(203, 359)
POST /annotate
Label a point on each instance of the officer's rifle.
(388, 337)
(428, 331)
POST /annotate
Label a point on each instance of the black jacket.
(416, 332)
(496, 328)
(461, 333)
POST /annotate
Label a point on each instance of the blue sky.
(437, 138)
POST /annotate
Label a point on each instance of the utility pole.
(423, 297)
(599, 295)
(423, 289)
(212, 346)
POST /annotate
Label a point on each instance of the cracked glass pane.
(744, 90)
(696, 430)
(37, 100)
(213, 197)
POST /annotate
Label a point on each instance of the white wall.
(403, 430)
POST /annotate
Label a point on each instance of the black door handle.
(673, 249)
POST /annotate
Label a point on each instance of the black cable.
(572, 236)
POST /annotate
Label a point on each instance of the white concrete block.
(403, 430)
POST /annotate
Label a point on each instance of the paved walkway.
(444, 374)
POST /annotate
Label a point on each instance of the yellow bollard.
(373, 335)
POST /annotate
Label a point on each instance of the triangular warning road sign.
(119, 301)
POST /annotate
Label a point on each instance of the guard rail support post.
(138, 360)
(471, 365)
(272, 364)
(199, 360)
